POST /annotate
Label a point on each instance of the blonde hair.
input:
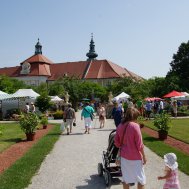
(131, 115)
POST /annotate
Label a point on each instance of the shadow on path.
(97, 182)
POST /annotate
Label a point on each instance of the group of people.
(128, 139)
(131, 156)
(87, 114)
(29, 108)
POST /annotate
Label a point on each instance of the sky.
(140, 35)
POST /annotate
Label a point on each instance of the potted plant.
(163, 123)
(28, 123)
(44, 122)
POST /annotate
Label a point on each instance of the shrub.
(28, 122)
(162, 121)
(58, 114)
(44, 120)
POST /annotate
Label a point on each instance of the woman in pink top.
(129, 139)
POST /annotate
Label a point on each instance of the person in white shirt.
(32, 109)
(161, 107)
(27, 108)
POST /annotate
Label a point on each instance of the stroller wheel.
(100, 169)
(107, 178)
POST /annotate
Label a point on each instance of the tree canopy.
(178, 73)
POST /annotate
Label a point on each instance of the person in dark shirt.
(117, 114)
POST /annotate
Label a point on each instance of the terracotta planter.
(44, 126)
(162, 135)
(30, 136)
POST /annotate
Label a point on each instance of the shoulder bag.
(118, 158)
(91, 114)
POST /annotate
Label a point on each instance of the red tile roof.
(11, 71)
(38, 58)
(96, 69)
(107, 69)
(69, 68)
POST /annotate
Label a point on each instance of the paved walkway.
(72, 164)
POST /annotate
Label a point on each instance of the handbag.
(118, 158)
(74, 124)
(62, 127)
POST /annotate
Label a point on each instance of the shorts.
(68, 123)
(88, 122)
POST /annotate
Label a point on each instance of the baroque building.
(38, 69)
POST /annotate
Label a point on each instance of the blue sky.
(140, 35)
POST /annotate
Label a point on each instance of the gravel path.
(72, 164)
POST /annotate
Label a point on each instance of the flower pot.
(44, 126)
(141, 125)
(162, 134)
(30, 136)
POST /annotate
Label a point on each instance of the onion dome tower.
(91, 54)
(38, 48)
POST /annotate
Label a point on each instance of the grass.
(11, 133)
(179, 129)
(160, 148)
(18, 176)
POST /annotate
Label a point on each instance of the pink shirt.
(132, 141)
(172, 181)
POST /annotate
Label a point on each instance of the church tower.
(91, 54)
(38, 48)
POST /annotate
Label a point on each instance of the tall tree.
(179, 71)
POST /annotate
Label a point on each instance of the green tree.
(41, 89)
(180, 67)
(43, 102)
(10, 85)
(56, 88)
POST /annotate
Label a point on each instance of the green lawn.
(11, 133)
(160, 148)
(179, 129)
(19, 175)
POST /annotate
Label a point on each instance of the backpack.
(69, 113)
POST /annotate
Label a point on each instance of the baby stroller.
(108, 168)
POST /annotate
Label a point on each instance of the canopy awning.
(173, 94)
(56, 99)
(122, 96)
(152, 99)
(21, 93)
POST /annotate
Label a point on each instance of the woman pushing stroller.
(129, 139)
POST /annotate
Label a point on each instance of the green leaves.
(43, 102)
(162, 121)
(29, 122)
(180, 67)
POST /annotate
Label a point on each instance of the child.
(171, 174)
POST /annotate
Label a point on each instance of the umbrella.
(152, 99)
(85, 99)
(172, 94)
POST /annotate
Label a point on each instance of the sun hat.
(170, 160)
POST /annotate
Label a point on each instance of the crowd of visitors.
(131, 156)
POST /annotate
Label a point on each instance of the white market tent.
(55, 99)
(4, 95)
(17, 100)
(21, 93)
(121, 97)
